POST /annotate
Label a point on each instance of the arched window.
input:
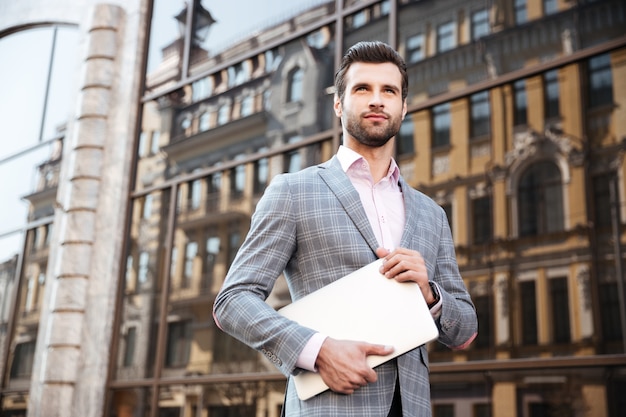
(294, 87)
(540, 196)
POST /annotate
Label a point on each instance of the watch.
(435, 291)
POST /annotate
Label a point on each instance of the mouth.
(376, 117)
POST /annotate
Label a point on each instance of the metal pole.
(617, 250)
(48, 80)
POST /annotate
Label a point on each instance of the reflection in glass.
(405, 142)
(43, 73)
(139, 317)
(446, 36)
(368, 24)
(240, 399)
(32, 160)
(441, 125)
(30, 294)
(238, 22)
(133, 402)
(480, 115)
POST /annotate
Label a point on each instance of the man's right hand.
(342, 364)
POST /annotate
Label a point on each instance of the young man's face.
(372, 108)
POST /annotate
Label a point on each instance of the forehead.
(370, 73)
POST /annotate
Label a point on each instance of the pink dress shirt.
(384, 205)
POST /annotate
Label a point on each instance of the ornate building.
(516, 126)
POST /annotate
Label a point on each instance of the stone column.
(73, 345)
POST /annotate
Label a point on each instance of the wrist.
(436, 296)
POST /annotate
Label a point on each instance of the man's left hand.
(405, 265)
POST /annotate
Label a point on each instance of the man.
(327, 221)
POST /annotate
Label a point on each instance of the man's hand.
(342, 364)
(405, 265)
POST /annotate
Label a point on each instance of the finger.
(380, 350)
(382, 252)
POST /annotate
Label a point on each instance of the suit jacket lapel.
(340, 185)
(411, 209)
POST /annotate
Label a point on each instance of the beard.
(374, 136)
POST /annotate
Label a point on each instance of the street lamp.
(202, 22)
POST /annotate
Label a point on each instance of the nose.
(376, 100)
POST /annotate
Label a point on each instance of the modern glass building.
(138, 135)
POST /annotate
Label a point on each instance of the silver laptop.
(364, 306)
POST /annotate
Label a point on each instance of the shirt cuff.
(308, 356)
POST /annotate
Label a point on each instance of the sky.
(23, 83)
(235, 20)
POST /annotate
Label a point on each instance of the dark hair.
(375, 52)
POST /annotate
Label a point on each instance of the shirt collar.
(347, 157)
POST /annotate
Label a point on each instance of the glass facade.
(33, 113)
(522, 159)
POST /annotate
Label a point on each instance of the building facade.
(163, 122)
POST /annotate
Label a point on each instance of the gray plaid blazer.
(312, 227)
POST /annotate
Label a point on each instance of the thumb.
(380, 350)
(382, 252)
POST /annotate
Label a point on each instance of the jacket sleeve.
(458, 324)
(240, 308)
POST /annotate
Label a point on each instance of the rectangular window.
(441, 125)
(405, 143)
(237, 180)
(480, 24)
(154, 142)
(482, 410)
(521, 15)
(142, 147)
(214, 185)
(480, 125)
(551, 94)
(520, 115)
(22, 366)
(261, 175)
(446, 37)
(443, 410)
(484, 314)
(528, 303)
(234, 241)
(194, 196)
(146, 209)
(481, 220)
(129, 348)
(142, 269)
(600, 81)
(550, 6)
(539, 410)
(191, 251)
(227, 349)
(415, 48)
(292, 161)
(602, 200)
(212, 251)
(560, 310)
(178, 344)
(610, 315)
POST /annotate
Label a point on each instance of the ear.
(337, 106)
(404, 109)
